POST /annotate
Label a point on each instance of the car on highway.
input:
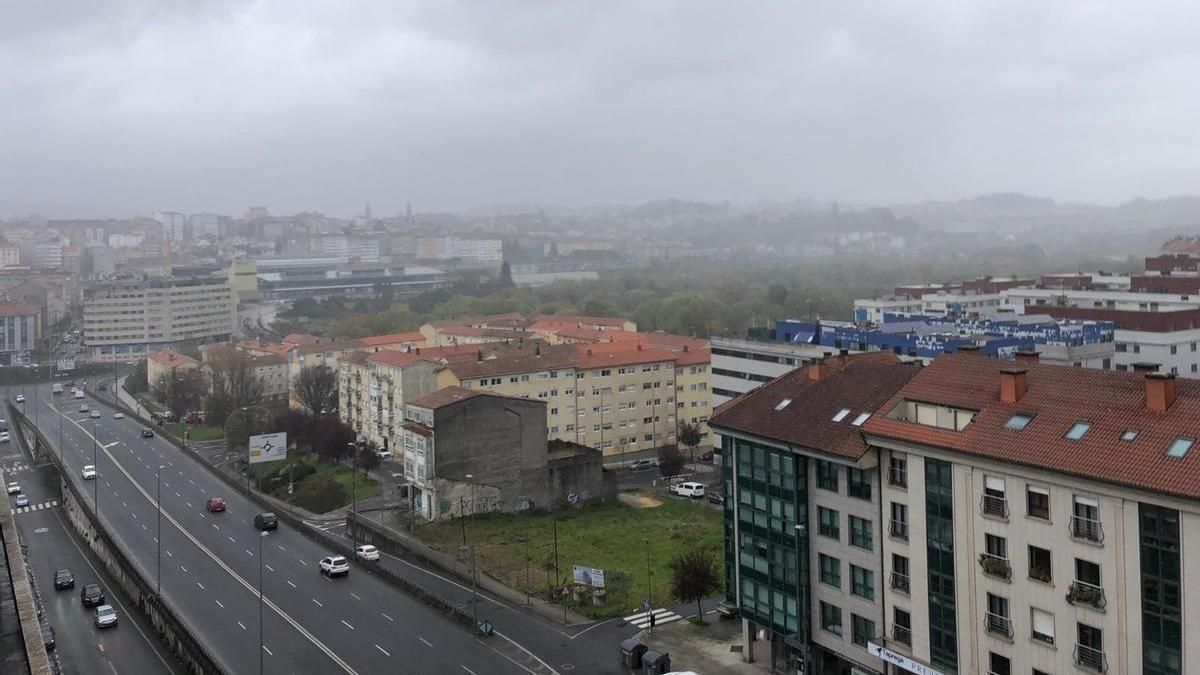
(334, 566)
(63, 579)
(106, 616)
(20, 398)
(77, 393)
(118, 416)
(266, 521)
(642, 464)
(22, 500)
(48, 636)
(91, 595)
(688, 489)
(4, 437)
(366, 552)
(215, 504)
(84, 408)
(89, 472)
(95, 414)
(103, 387)
(147, 433)
(14, 488)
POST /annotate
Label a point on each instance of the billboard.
(588, 576)
(268, 447)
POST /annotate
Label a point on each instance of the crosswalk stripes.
(661, 616)
(15, 469)
(37, 507)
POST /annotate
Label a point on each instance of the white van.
(693, 490)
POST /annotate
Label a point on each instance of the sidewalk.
(706, 649)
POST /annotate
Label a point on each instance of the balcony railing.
(902, 634)
(1040, 573)
(998, 624)
(900, 582)
(994, 565)
(996, 507)
(1090, 658)
(899, 529)
(1087, 529)
(898, 477)
(1083, 593)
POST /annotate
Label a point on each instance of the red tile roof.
(393, 339)
(452, 395)
(859, 383)
(1057, 397)
(609, 355)
(298, 339)
(16, 309)
(394, 358)
(171, 359)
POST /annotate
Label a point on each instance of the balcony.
(1086, 595)
(902, 634)
(1087, 529)
(900, 582)
(898, 478)
(899, 529)
(995, 566)
(994, 507)
(1040, 574)
(1090, 658)
(998, 624)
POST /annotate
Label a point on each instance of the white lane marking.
(247, 551)
(347, 625)
(191, 481)
(291, 584)
(178, 495)
(183, 568)
(215, 526)
(219, 603)
(189, 504)
(169, 555)
(354, 595)
(242, 625)
(280, 547)
(379, 648)
(425, 642)
(317, 602)
(124, 504)
(388, 617)
(268, 651)
(467, 669)
(269, 568)
(145, 528)
(303, 563)
(200, 585)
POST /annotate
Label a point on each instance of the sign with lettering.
(901, 660)
(268, 447)
(588, 576)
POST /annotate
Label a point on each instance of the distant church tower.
(367, 211)
(408, 212)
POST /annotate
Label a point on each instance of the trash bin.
(631, 653)
(656, 663)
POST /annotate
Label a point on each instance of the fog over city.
(117, 108)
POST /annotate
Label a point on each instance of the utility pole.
(649, 590)
(354, 450)
(261, 535)
(557, 575)
(528, 601)
(96, 480)
(158, 537)
(462, 519)
(474, 591)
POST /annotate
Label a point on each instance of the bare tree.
(670, 460)
(695, 576)
(368, 459)
(234, 384)
(180, 391)
(317, 389)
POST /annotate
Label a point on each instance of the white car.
(84, 408)
(118, 416)
(95, 414)
(4, 437)
(20, 398)
(367, 552)
(89, 472)
(334, 565)
(77, 394)
(14, 488)
(693, 490)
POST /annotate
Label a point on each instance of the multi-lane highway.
(210, 564)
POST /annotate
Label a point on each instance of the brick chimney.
(1160, 391)
(1028, 356)
(817, 370)
(969, 350)
(1145, 367)
(1012, 385)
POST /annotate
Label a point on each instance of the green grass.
(196, 432)
(365, 487)
(607, 536)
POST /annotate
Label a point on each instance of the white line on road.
(242, 625)
(219, 603)
(183, 568)
(425, 642)
(178, 495)
(191, 481)
(169, 555)
(200, 585)
(347, 625)
(304, 563)
(317, 602)
(215, 526)
(189, 504)
(269, 568)
(379, 648)
(354, 595)
(388, 617)
(291, 584)
(280, 547)
(145, 528)
(268, 651)
(467, 669)
(247, 551)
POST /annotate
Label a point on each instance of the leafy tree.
(180, 391)
(670, 460)
(137, 382)
(317, 389)
(300, 429)
(245, 422)
(689, 435)
(506, 280)
(368, 460)
(330, 436)
(695, 576)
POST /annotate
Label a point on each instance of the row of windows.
(862, 630)
(858, 482)
(861, 529)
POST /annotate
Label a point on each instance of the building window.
(898, 470)
(996, 619)
(1077, 430)
(901, 626)
(1089, 648)
(862, 582)
(1042, 623)
(1037, 502)
(1018, 421)
(995, 559)
(862, 630)
(1086, 589)
(998, 665)
(900, 580)
(899, 524)
(860, 533)
(939, 525)
(828, 525)
(827, 475)
(831, 570)
(1162, 617)
(1085, 520)
(858, 483)
(1040, 567)
(831, 618)
(995, 499)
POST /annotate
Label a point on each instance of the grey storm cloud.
(134, 106)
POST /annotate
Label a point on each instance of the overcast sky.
(119, 107)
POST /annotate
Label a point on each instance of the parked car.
(20, 398)
(22, 500)
(215, 504)
(89, 472)
(63, 579)
(4, 437)
(334, 566)
(92, 595)
(266, 521)
(84, 408)
(48, 636)
(147, 433)
(95, 414)
(118, 416)
(689, 489)
(716, 498)
(106, 616)
(643, 464)
(14, 488)
(367, 552)
(77, 394)
(382, 454)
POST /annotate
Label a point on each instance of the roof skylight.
(858, 421)
(1180, 447)
(1130, 434)
(783, 404)
(1078, 430)
(1018, 421)
(841, 415)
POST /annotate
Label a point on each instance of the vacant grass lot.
(309, 473)
(607, 536)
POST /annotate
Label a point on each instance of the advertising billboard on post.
(268, 447)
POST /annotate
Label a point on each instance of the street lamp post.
(96, 467)
(802, 587)
(649, 590)
(158, 537)
(261, 535)
(353, 447)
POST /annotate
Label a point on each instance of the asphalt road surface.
(210, 565)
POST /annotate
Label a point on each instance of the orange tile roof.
(394, 358)
(601, 355)
(16, 309)
(563, 320)
(394, 338)
(1057, 397)
(171, 359)
(298, 339)
(451, 395)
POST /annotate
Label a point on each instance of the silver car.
(105, 616)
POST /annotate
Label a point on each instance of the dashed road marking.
(378, 647)
(425, 642)
(219, 603)
(242, 625)
(291, 584)
(388, 617)
(317, 603)
(347, 625)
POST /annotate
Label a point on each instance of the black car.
(91, 595)
(266, 521)
(63, 579)
(48, 636)
(716, 498)
(147, 433)
(103, 387)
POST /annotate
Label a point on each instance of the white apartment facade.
(128, 319)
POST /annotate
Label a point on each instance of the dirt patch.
(639, 500)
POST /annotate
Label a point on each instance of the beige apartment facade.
(372, 390)
(130, 319)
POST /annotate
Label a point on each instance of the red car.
(216, 504)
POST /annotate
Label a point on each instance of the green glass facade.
(939, 521)
(1162, 633)
(770, 498)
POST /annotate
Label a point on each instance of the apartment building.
(741, 366)
(373, 388)
(803, 524)
(10, 254)
(167, 362)
(1047, 513)
(128, 319)
(20, 330)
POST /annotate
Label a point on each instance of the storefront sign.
(901, 660)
